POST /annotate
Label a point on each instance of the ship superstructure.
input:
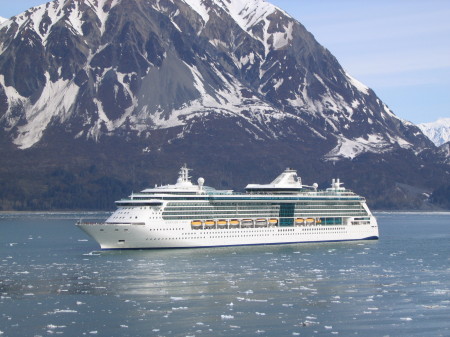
(185, 215)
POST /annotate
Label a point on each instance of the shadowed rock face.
(165, 80)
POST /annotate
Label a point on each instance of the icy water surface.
(54, 281)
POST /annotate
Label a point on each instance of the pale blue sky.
(399, 48)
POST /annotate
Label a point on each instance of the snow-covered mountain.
(438, 131)
(2, 19)
(237, 85)
(102, 67)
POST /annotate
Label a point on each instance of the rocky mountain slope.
(438, 131)
(128, 90)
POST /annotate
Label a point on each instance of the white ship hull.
(180, 235)
(186, 216)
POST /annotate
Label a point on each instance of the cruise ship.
(188, 215)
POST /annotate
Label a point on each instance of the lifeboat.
(196, 224)
(210, 224)
(299, 221)
(273, 222)
(222, 223)
(247, 223)
(234, 223)
(310, 221)
(261, 223)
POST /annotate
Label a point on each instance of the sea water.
(55, 281)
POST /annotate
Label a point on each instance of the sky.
(399, 48)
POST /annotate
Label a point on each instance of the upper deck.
(287, 187)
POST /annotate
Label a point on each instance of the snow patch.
(250, 58)
(56, 101)
(438, 132)
(282, 39)
(14, 98)
(55, 10)
(247, 14)
(200, 8)
(351, 148)
(357, 84)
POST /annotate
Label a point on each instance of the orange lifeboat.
(234, 223)
(273, 222)
(210, 223)
(196, 224)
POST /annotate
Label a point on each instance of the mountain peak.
(246, 13)
(438, 131)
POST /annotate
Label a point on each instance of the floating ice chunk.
(406, 319)
(225, 317)
(433, 306)
(52, 326)
(328, 327)
(179, 308)
(177, 298)
(64, 311)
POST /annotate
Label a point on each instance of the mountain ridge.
(438, 131)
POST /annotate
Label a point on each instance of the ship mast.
(184, 174)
